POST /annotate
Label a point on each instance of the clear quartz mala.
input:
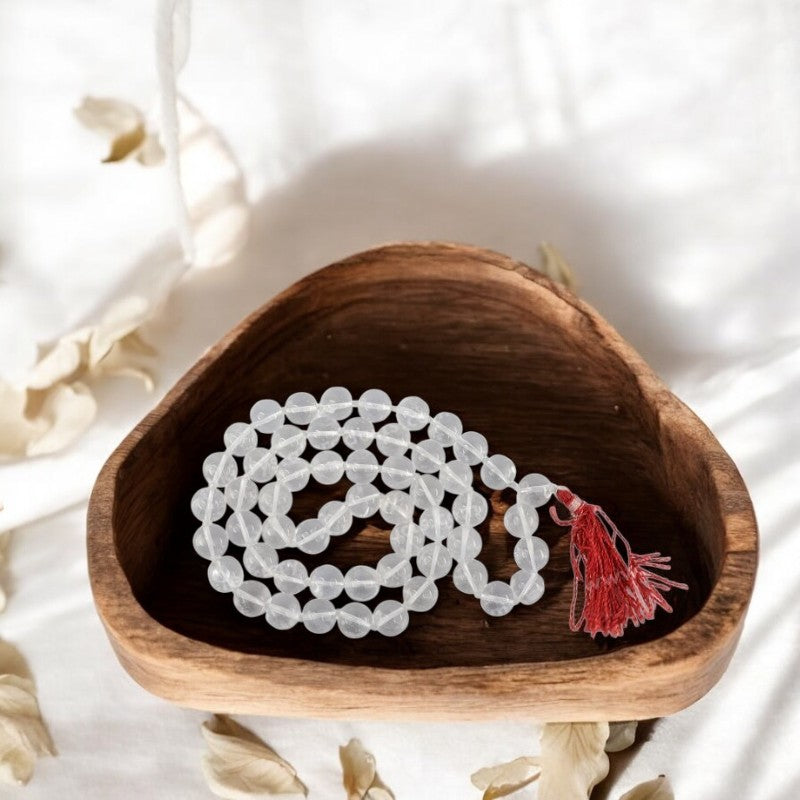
(412, 468)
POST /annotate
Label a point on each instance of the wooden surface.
(550, 384)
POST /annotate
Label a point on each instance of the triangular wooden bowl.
(550, 384)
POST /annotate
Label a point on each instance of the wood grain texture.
(550, 384)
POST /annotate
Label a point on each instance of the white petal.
(573, 759)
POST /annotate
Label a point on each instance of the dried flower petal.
(5, 537)
(503, 779)
(121, 319)
(359, 774)
(556, 267)
(61, 361)
(621, 736)
(573, 759)
(658, 789)
(240, 766)
(67, 410)
(16, 430)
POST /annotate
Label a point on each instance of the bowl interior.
(516, 362)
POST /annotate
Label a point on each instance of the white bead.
(436, 523)
(434, 561)
(283, 611)
(251, 598)
(354, 620)
(497, 599)
(396, 507)
(535, 490)
(239, 438)
(327, 467)
(521, 520)
(531, 553)
(390, 618)
(471, 577)
(358, 433)
(219, 469)
(464, 544)
(413, 413)
(426, 491)
(274, 498)
(208, 503)
(498, 472)
(527, 586)
(393, 570)
(470, 509)
(210, 541)
(260, 465)
(361, 466)
(428, 456)
(363, 500)
(260, 560)
(294, 473)
(361, 582)
(312, 536)
(456, 477)
(407, 539)
(393, 439)
(288, 441)
(324, 433)
(290, 576)
(397, 472)
(278, 531)
(445, 428)
(336, 517)
(225, 573)
(267, 416)
(243, 528)
(241, 494)
(336, 401)
(420, 594)
(374, 405)
(326, 582)
(319, 616)
(301, 408)
(471, 448)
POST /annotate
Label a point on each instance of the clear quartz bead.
(420, 594)
(363, 500)
(288, 441)
(354, 620)
(498, 471)
(471, 577)
(521, 520)
(290, 576)
(301, 408)
(260, 560)
(358, 433)
(531, 553)
(374, 405)
(361, 582)
(336, 401)
(397, 472)
(210, 541)
(251, 598)
(527, 586)
(327, 467)
(267, 416)
(326, 582)
(260, 465)
(243, 528)
(208, 503)
(433, 561)
(407, 539)
(393, 570)
(274, 498)
(241, 494)
(219, 469)
(535, 490)
(396, 507)
(390, 618)
(361, 466)
(471, 448)
(413, 413)
(426, 491)
(319, 616)
(225, 573)
(312, 536)
(464, 544)
(278, 531)
(445, 428)
(336, 517)
(470, 508)
(239, 438)
(456, 477)
(436, 523)
(283, 611)
(324, 432)
(294, 473)
(428, 456)
(497, 599)
(393, 439)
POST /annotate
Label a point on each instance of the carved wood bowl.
(550, 384)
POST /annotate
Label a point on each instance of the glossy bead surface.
(396, 507)
(290, 576)
(521, 520)
(251, 598)
(319, 616)
(397, 472)
(471, 577)
(535, 490)
(312, 536)
(241, 494)
(358, 433)
(239, 438)
(498, 471)
(436, 523)
(428, 456)
(267, 416)
(283, 611)
(363, 500)
(374, 405)
(471, 448)
(327, 468)
(225, 573)
(434, 561)
(390, 618)
(294, 473)
(527, 586)
(407, 539)
(324, 433)
(361, 466)
(420, 594)
(274, 498)
(361, 582)
(301, 408)
(243, 528)
(208, 504)
(470, 509)
(497, 599)
(336, 517)
(326, 582)
(288, 441)
(219, 469)
(413, 413)
(337, 402)
(210, 541)
(393, 439)
(260, 465)
(426, 491)
(456, 477)
(278, 531)
(445, 428)
(531, 553)
(354, 620)
(464, 544)
(260, 560)
(393, 570)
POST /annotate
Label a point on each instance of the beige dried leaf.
(16, 430)
(359, 774)
(573, 759)
(23, 736)
(240, 766)
(120, 320)
(556, 267)
(658, 789)
(621, 736)
(67, 410)
(503, 779)
(5, 537)
(61, 361)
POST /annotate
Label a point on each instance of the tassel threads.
(616, 590)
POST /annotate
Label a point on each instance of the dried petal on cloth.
(359, 774)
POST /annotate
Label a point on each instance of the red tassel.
(616, 590)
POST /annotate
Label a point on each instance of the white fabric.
(657, 145)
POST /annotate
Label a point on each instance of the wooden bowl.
(549, 383)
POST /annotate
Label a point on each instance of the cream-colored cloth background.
(657, 144)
